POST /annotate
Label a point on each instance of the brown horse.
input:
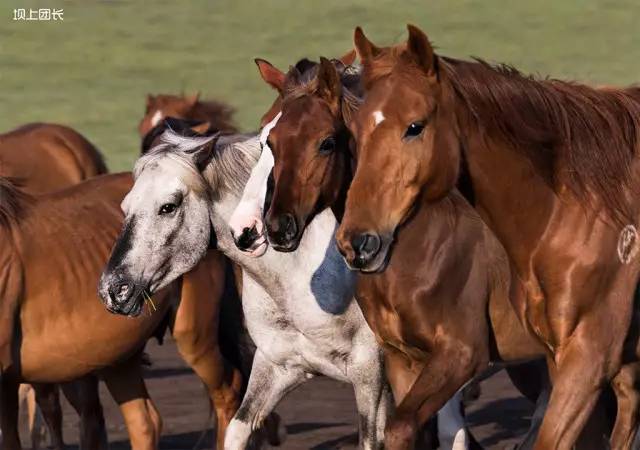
(553, 168)
(217, 115)
(46, 157)
(43, 158)
(447, 271)
(64, 238)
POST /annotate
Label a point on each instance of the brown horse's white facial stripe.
(378, 117)
(156, 118)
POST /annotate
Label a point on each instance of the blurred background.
(93, 70)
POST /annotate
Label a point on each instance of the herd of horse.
(404, 225)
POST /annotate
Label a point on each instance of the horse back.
(46, 157)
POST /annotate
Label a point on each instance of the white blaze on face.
(156, 118)
(378, 117)
(248, 213)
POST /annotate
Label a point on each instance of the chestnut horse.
(65, 238)
(42, 158)
(553, 168)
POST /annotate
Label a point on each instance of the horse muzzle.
(250, 241)
(121, 295)
(283, 232)
(366, 252)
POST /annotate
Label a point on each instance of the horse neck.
(503, 180)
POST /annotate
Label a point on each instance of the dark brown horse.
(553, 168)
(47, 157)
(447, 272)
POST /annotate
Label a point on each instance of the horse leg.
(48, 399)
(9, 414)
(196, 333)
(446, 370)
(450, 426)
(401, 375)
(84, 397)
(268, 383)
(625, 385)
(578, 378)
(370, 391)
(126, 385)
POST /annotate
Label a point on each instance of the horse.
(65, 238)
(552, 168)
(47, 157)
(216, 115)
(299, 307)
(44, 157)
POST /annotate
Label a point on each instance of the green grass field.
(92, 70)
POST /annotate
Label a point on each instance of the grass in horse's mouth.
(149, 301)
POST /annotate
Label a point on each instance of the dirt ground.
(319, 415)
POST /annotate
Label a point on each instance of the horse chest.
(291, 329)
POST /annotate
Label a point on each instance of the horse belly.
(64, 350)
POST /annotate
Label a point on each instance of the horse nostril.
(287, 228)
(365, 247)
(120, 291)
(246, 238)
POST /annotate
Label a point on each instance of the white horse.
(299, 306)
(248, 229)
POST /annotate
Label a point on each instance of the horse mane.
(13, 202)
(218, 114)
(233, 157)
(575, 135)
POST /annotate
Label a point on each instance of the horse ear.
(364, 47)
(273, 76)
(201, 128)
(193, 99)
(203, 155)
(329, 86)
(150, 100)
(419, 47)
(348, 58)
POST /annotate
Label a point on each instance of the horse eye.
(328, 145)
(167, 208)
(414, 130)
(269, 144)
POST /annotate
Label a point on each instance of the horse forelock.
(229, 168)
